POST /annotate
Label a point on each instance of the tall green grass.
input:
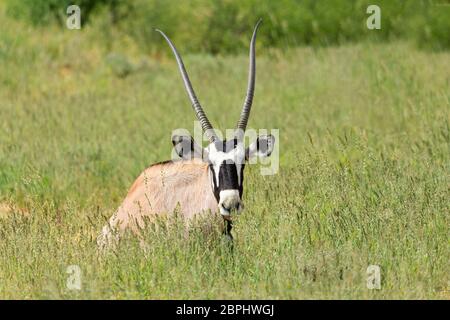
(363, 180)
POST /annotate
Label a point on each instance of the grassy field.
(364, 169)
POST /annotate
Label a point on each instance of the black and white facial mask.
(226, 161)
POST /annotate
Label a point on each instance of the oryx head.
(226, 158)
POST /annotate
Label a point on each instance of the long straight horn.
(243, 119)
(201, 116)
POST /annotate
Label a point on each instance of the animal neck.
(188, 182)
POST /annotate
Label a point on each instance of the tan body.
(182, 185)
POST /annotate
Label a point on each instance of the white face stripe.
(238, 168)
(216, 157)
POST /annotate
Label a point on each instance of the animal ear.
(262, 147)
(186, 148)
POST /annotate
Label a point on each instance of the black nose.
(231, 206)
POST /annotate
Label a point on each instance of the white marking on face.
(217, 157)
(229, 199)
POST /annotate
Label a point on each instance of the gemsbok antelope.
(204, 181)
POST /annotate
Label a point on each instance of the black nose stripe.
(228, 177)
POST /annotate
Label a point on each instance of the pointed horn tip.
(257, 26)
(162, 33)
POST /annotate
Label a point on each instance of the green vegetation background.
(364, 147)
(221, 26)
